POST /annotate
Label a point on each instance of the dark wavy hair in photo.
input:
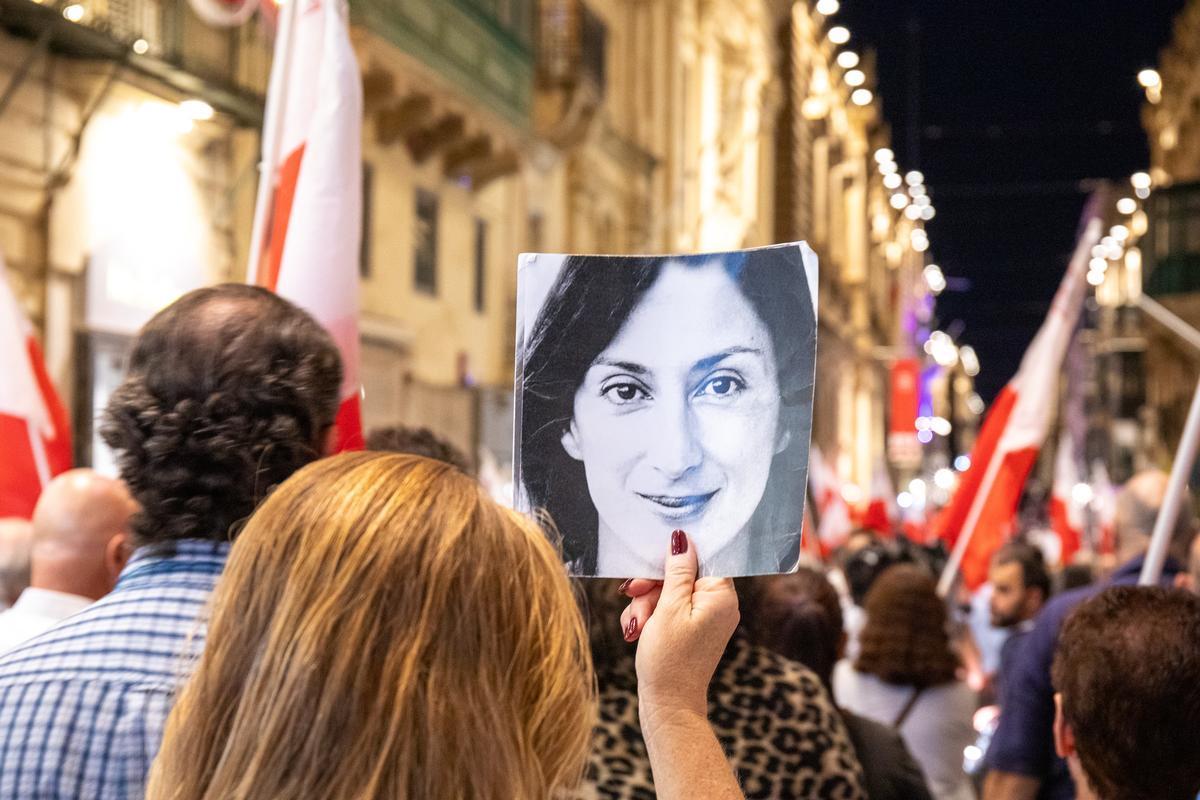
(230, 390)
(586, 308)
(1127, 666)
(904, 640)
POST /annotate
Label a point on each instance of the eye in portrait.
(663, 393)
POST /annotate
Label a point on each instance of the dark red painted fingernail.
(624, 587)
(678, 543)
(631, 629)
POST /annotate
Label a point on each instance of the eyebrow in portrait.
(708, 362)
(628, 366)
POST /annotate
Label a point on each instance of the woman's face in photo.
(677, 420)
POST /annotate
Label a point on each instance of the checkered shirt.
(82, 706)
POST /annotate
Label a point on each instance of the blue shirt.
(82, 706)
(1024, 741)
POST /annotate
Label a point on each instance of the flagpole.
(1185, 455)
(272, 135)
(950, 572)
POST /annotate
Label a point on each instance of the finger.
(680, 578)
(716, 596)
(637, 613)
(636, 587)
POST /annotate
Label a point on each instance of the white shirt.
(36, 611)
(936, 730)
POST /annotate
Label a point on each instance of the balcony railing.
(163, 38)
(1171, 248)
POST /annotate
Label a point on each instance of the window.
(480, 263)
(364, 248)
(426, 241)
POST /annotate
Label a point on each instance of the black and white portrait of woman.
(663, 393)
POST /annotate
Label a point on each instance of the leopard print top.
(771, 715)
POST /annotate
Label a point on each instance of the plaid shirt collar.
(201, 559)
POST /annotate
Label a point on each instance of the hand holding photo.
(657, 393)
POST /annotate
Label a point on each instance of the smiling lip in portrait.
(676, 421)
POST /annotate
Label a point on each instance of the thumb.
(680, 578)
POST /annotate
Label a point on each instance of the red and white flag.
(880, 513)
(980, 515)
(1104, 504)
(833, 514)
(308, 219)
(35, 437)
(1066, 513)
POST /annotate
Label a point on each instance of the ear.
(1064, 736)
(1184, 581)
(785, 438)
(570, 442)
(116, 555)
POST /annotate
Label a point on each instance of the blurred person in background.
(1020, 587)
(418, 442)
(1022, 761)
(80, 545)
(16, 542)
(860, 567)
(230, 389)
(775, 720)
(446, 657)
(1127, 700)
(1190, 580)
(906, 677)
(799, 616)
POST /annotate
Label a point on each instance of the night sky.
(1017, 103)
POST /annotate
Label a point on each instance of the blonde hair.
(384, 630)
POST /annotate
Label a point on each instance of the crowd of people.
(242, 615)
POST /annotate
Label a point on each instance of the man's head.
(81, 534)
(1020, 584)
(230, 390)
(418, 442)
(1137, 507)
(1128, 698)
(16, 539)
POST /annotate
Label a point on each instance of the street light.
(1149, 78)
(848, 59)
(884, 155)
(914, 178)
(1140, 180)
(892, 180)
(73, 12)
(196, 109)
(862, 97)
(855, 77)
(1126, 205)
(839, 34)
(828, 7)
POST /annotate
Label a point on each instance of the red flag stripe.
(281, 214)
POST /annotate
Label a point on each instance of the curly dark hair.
(1126, 665)
(905, 640)
(230, 390)
(418, 442)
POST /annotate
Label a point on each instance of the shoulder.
(798, 738)
(891, 770)
(135, 638)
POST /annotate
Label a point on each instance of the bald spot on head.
(16, 540)
(76, 518)
(1137, 508)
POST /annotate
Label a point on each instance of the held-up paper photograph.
(663, 393)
